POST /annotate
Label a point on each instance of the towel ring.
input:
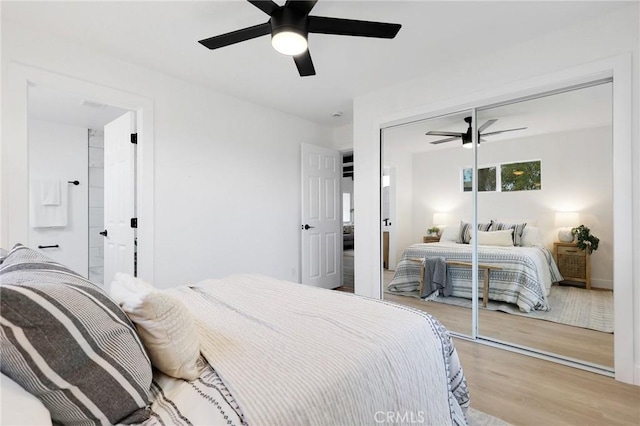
(75, 182)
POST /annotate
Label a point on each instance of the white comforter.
(296, 355)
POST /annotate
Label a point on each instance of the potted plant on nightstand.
(433, 232)
(585, 240)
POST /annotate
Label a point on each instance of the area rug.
(478, 418)
(573, 306)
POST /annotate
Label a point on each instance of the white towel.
(46, 215)
(49, 192)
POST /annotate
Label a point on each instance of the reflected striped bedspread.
(524, 280)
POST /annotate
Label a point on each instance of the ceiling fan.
(290, 25)
(466, 136)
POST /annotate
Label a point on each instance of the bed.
(524, 277)
(266, 352)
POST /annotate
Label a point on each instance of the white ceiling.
(164, 35)
(577, 109)
(65, 108)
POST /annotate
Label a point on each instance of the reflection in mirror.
(548, 295)
(423, 263)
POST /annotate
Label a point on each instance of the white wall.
(60, 152)
(227, 172)
(574, 178)
(454, 84)
(343, 137)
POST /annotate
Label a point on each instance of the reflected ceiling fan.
(290, 25)
(466, 136)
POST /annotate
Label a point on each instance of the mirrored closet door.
(542, 168)
(545, 168)
(422, 172)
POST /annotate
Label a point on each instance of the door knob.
(104, 233)
(306, 226)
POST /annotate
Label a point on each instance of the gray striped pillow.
(464, 233)
(66, 342)
(518, 229)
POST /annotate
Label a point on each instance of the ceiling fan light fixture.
(289, 42)
(467, 145)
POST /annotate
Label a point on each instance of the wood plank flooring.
(527, 391)
(574, 342)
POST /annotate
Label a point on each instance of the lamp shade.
(567, 219)
(439, 218)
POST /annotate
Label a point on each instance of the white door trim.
(14, 226)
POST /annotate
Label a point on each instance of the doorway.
(15, 224)
(348, 223)
(66, 146)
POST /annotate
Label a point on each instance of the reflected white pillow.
(165, 326)
(449, 233)
(531, 237)
(496, 238)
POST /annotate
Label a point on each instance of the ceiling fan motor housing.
(289, 19)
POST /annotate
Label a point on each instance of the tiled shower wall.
(96, 206)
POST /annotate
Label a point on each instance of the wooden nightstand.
(574, 264)
(430, 239)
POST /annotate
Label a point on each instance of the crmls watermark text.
(399, 417)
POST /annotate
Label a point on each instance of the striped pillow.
(518, 229)
(66, 342)
(464, 233)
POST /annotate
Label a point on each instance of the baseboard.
(601, 283)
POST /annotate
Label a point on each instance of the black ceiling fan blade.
(502, 131)
(437, 133)
(236, 36)
(302, 6)
(444, 140)
(487, 124)
(352, 27)
(267, 6)
(305, 64)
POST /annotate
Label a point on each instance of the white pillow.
(19, 407)
(531, 236)
(449, 233)
(165, 326)
(496, 238)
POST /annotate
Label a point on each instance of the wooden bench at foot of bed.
(485, 267)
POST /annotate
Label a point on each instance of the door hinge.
(134, 138)
(134, 222)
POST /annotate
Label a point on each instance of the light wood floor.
(580, 343)
(527, 391)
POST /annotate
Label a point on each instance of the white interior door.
(119, 197)
(321, 217)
